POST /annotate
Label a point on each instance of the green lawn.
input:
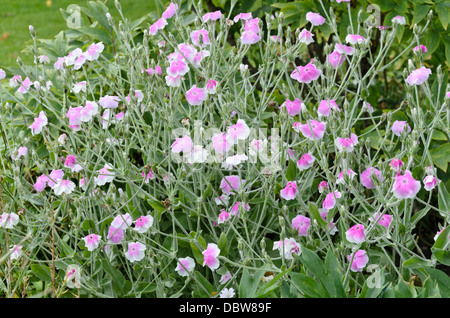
(45, 16)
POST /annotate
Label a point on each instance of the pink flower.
(399, 20)
(195, 96)
(405, 186)
(104, 175)
(420, 48)
(71, 162)
(54, 177)
(302, 224)
(183, 144)
(360, 260)
(330, 200)
(306, 37)
(332, 229)
(150, 175)
(294, 107)
(177, 67)
(185, 266)
(225, 277)
(64, 186)
(211, 86)
(339, 1)
(221, 143)
(242, 16)
(306, 161)
(346, 144)
(326, 106)
(222, 200)
(74, 115)
(349, 173)
(158, 25)
(235, 209)
(94, 51)
(195, 37)
(173, 81)
(366, 177)
(115, 235)
(92, 241)
(354, 39)
(136, 251)
(16, 252)
(231, 184)
(250, 37)
(438, 233)
(383, 219)
(9, 220)
(356, 234)
(22, 151)
(419, 76)
(344, 49)
(122, 221)
(109, 101)
(210, 256)
(315, 18)
(170, 11)
(312, 130)
(25, 86)
(213, 16)
(289, 246)
(306, 74)
(396, 164)
(59, 64)
(322, 186)
(224, 216)
(15, 81)
(290, 191)
(41, 183)
(430, 182)
(399, 126)
(238, 131)
(38, 123)
(336, 59)
(143, 223)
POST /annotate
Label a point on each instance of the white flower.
(227, 293)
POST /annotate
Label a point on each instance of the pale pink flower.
(312, 130)
(336, 59)
(64, 186)
(79, 87)
(224, 216)
(109, 101)
(306, 161)
(332, 229)
(182, 144)
(74, 115)
(92, 241)
(396, 164)
(302, 224)
(136, 251)
(88, 111)
(225, 278)
(123, 221)
(430, 182)
(418, 76)
(339, 1)
(250, 37)
(21, 152)
(420, 48)
(73, 56)
(143, 223)
(354, 39)
(294, 107)
(399, 127)
(405, 186)
(59, 64)
(78, 63)
(341, 177)
(210, 256)
(41, 183)
(158, 25)
(322, 186)
(356, 234)
(239, 205)
(94, 50)
(221, 143)
(346, 144)
(9, 220)
(360, 260)
(38, 123)
(398, 20)
(383, 219)
(344, 49)
(306, 37)
(326, 106)
(115, 235)
(330, 200)
(2, 74)
(243, 16)
(71, 162)
(231, 184)
(213, 16)
(315, 18)
(54, 177)
(200, 38)
(25, 86)
(173, 81)
(227, 293)
(238, 131)
(104, 175)
(211, 86)
(306, 74)
(438, 233)
(233, 161)
(196, 96)
(289, 246)
(177, 67)
(150, 175)
(170, 11)
(257, 146)
(16, 252)
(197, 155)
(290, 191)
(367, 175)
(222, 200)
(185, 266)
(15, 81)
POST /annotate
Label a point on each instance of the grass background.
(46, 18)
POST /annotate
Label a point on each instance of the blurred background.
(46, 17)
